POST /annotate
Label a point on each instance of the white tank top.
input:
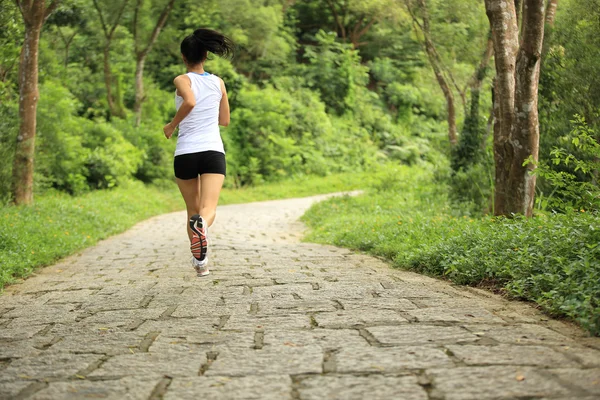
(199, 130)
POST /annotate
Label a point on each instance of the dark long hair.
(196, 46)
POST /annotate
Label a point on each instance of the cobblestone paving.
(276, 319)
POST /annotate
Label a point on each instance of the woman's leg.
(209, 196)
(190, 190)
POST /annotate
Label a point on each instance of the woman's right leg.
(190, 190)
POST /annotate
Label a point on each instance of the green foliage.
(569, 82)
(335, 70)
(278, 133)
(572, 175)
(60, 152)
(472, 189)
(552, 260)
(9, 128)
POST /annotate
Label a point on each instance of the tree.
(34, 15)
(551, 12)
(68, 20)
(516, 127)
(354, 19)
(471, 139)
(109, 30)
(142, 50)
(436, 65)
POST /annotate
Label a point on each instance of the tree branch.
(114, 27)
(27, 4)
(101, 18)
(431, 49)
(367, 27)
(159, 25)
(24, 13)
(337, 18)
(138, 5)
(50, 9)
(551, 12)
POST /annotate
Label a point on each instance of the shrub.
(572, 174)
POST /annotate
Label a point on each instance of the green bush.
(572, 174)
(283, 132)
(61, 155)
(335, 71)
(9, 127)
(112, 159)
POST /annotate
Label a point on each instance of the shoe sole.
(199, 243)
(202, 274)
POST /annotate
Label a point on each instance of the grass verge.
(58, 225)
(298, 187)
(553, 260)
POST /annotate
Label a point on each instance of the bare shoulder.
(179, 79)
(222, 83)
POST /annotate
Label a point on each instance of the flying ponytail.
(196, 46)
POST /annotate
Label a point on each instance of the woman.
(202, 105)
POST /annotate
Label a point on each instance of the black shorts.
(189, 166)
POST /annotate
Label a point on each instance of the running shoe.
(199, 245)
(201, 267)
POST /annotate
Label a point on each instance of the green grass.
(57, 225)
(299, 187)
(553, 260)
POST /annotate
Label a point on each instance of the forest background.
(391, 96)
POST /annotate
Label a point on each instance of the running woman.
(202, 105)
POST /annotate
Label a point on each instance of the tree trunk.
(479, 75)
(67, 42)
(471, 140)
(551, 12)
(112, 106)
(449, 96)
(477, 81)
(141, 54)
(516, 127)
(34, 14)
(550, 17)
(435, 62)
(526, 135)
(139, 89)
(28, 99)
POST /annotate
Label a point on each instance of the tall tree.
(34, 15)
(109, 30)
(436, 64)
(471, 139)
(69, 21)
(516, 126)
(142, 50)
(354, 19)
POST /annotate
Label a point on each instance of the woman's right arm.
(184, 89)
(224, 113)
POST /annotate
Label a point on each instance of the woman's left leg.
(211, 185)
(190, 190)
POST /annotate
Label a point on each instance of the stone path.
(276, 319)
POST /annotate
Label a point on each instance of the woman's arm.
(224, 106)
(184, 89)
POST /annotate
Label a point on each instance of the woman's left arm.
(224, 113)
